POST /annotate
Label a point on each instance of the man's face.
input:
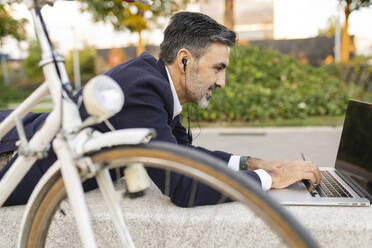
(207, 74)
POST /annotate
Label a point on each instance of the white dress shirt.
(266, 180)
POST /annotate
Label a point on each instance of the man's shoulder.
(140, 68)
(142, 75)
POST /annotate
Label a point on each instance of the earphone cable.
(189, 133)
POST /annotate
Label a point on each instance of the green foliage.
(265, 84)
(10, 26)
(87, 57)
(30, 64)
(330, 29)
(356, 4)
(10, 94)
(34, 74)
(356, 71)
(134, 16)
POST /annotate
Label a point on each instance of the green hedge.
(11, 94)
(87, 58)
(357, 73)
(264, 84)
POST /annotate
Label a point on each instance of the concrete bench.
(155, 222)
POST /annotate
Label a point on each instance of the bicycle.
(83, 153)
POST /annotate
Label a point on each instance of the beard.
(196, 90)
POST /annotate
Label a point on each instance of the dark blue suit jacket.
(148, 104)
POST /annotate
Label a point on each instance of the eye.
(218, 68)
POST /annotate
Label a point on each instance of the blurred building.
(314, 51)
(364, 46)
(11, 69)
(254, 19)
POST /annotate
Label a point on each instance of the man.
(194, 56)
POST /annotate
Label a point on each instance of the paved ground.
(318, 144)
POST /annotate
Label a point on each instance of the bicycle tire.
(180, 159)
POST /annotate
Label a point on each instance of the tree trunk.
(140, 47)
(345, 41)
(229, 14)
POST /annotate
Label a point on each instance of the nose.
(221, 80)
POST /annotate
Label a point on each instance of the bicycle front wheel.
(50, 222)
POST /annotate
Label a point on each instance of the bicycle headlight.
(103, 97)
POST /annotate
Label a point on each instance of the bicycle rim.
(46, 222)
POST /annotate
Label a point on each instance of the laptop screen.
(354, 157)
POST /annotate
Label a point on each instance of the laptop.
(349, 182)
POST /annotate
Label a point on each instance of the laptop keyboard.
(330, 187)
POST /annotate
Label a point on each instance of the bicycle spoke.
(117, 176)
(106, 187)
(222, 199)
(194, 188)
(167, 182)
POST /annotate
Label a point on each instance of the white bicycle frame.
(70, 143)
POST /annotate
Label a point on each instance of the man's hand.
(285, 173)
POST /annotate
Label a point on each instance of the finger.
(312, 168)
(316, 172)
(311, 177)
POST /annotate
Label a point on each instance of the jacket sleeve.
(179, 132)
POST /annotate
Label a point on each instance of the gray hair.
(195, 32)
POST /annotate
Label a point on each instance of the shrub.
(34, 74)
(87, 57)
(355, 71)
(9, 94)
(265, 84)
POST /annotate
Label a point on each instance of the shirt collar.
(177, 107)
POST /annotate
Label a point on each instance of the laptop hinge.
(354, 186)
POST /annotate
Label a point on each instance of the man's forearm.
(285, 173)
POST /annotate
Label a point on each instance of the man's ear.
(184, 60)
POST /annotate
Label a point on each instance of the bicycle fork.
(76, 198)
(74, 191)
